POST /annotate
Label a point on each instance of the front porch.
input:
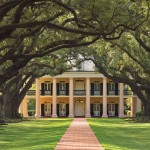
(80, 107)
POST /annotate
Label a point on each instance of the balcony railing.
(63, 92)
(125, 92)
(79, 92)
(31, 92)
(113, 92)
(128, 92)
(96, 93)
(47, 92)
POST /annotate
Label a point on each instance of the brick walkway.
(79, 136)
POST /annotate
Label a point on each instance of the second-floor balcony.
(128, 92)
(113, 92)
(31, 92)
(63, 92)
(46, 92)
(96, 93)
(79, 92)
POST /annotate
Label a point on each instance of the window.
(47, 86)
(111, 86)
(111, 107)
(80, 66)
(62, 86)
(97, 86)
(62, 109)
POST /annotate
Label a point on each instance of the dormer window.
(80, 66)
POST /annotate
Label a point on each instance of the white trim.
(77, 75)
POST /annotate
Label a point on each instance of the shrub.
(142, 119)
(19, 115)
(139, 114)
(31, 112)
(128, 113)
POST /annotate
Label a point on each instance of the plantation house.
(80, 93)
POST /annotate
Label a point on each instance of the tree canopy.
(31, 29)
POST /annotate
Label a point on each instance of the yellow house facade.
(80, 94)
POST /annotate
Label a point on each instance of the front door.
(111, 109)
(96, 109)
(79, 109)
(47, 109)
(62, 109)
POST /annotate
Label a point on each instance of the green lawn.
(118, 134)
(41, 134)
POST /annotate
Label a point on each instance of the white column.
(133, 107)
(54, 114)
(25, 107)
(37, 112)
(104, 98)
(21, 108)
(121, 101)
(139, 105)
(88, 115)
(132, 103)
(71, 113)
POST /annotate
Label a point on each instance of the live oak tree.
(124, 61)
(31, 29)
(25, 35)
(15, 89)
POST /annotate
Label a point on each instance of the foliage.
(31, 112)
(127, 103)
(123, 60)
(19, 115)
(139, 114)
(128, 113)
(52, 65)
(31, 104)
(142, 119)
(30, 31)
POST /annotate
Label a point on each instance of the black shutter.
(51, 109)
(51, 88)
(91, 109)
(57, 88)
(116, 109)
(101, 109)
(92, 88)
(101, 90)
(57, 109)
(107, 109)
(67, 109)
(116, 88)
(67, 88)
(42, 110)
(107, 88)
(42, 89)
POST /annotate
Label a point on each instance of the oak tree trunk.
(8, 108)
(147, 108)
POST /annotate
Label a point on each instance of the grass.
(41, 134)
(118, 134)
